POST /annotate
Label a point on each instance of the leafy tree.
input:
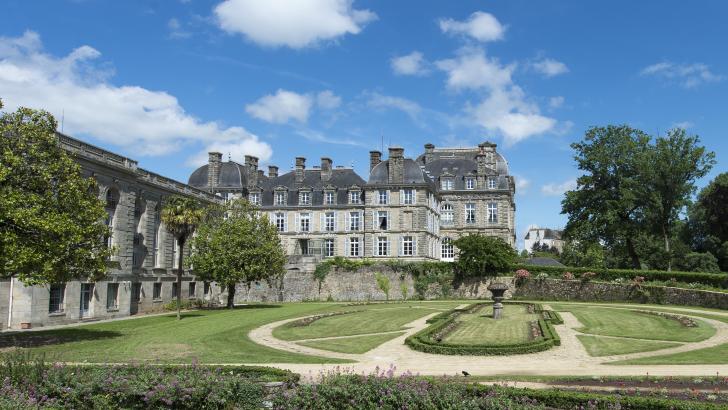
(241, 247)
(383, 283)
(675, 162)
(712, 202)
(51, 219)
(181, 216)
(608, 203)
(481, 255)
(700, 262)
(582, 254)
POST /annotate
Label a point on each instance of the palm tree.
(181, 216)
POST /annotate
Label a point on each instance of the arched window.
(448, 249)
(112, 200)
(447, 215)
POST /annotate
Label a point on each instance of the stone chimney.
(251, 165)
(429, 153)
(488, 148)
(300, 167)
(326, 165)
(272, 171)
(396, 165)
(214, 163)
(375, 157)
(260, 174)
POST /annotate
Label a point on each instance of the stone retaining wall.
(555, 289)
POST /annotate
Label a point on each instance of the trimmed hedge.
(719, 280)
(422, 341)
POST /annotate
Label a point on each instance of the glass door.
(86, 292)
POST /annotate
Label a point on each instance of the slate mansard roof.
(458, 169)
(413, 173)
(232, 175)
(468, 154)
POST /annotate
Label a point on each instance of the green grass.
(357, 344)
(607, 346)
(376, 319)
(481, 328)
(209, 336)
(709, 355)
(628, 323)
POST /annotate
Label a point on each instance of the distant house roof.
(547, 234)
(538, 261)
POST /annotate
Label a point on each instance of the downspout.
(10, 304)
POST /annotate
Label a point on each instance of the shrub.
(522, 276)
(588, 276)
(383, 283)
(404, 290)
(568, 276)
(483, 256)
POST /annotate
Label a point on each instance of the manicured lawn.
(209, 336)
(709, 355)
(480, 328)
(357, 344)
(375, 319)
(628, 323)
(607, 346)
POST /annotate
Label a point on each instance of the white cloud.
(550, 67)
(291, 23)
(410, 64)
(472, 69)
(176, 30)
(687, 75)
(480, 26)
(682, 124)
(522, 184)
(380, 101)
(281, 107)
(556, 102)
(152, 122)
(327, 100)
(554, 189)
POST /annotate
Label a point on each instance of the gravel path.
(568, 359)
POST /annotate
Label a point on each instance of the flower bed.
(429, 340)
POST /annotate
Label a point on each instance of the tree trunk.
(667, 248)
(633, 254)
(231, 296)
(180, 247)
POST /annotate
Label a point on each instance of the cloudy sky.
(165, 81)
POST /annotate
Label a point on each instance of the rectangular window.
(157, 291)
(304, 198)
(192, 289)
(408, 196)
(328, 247)
(206, 288)
(469, 183)
(382, 246)
(383, 197)
(354, 247)
(491, 183)
(112, 296)
(57, 296)
(136, 292)
(446, 184)
(280, 198)
(254, 198)
(470, 213)
(492, 212)
(280, 221)
(329, 221)
(383, 220)
(354, 197)
(354, 221)
(175, 290)
(407, 246)
(305, 222)
(329, 197)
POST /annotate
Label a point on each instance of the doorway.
(87, 290)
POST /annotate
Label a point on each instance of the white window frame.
(378, 219)
(447, 214)
(470, 213)
(469, 183)
(329, 222)
(329, 197)
(447, 249)
(382, 246)
(281, 222)
(383, 197)
(115, 299)
(304, 198)
(280, 198)
(354, 246)
(304, 216)
(447, 184)
(329, 248)
(493, 212)
(354, 222)
(407, 247)
(407, 196)
(355, 197)
(492, 183)
(254, 198)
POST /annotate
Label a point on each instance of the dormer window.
(491, 183)
(354, 197)
(280, 198)
(254, 198)
(304, 198)
(470, 183)
(329, 197)
(446, 184)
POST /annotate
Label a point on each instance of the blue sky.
(165, 81)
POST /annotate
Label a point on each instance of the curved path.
(568, 359)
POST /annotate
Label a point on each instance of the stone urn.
(498, 290)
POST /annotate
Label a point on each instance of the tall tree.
(608, 202)
(480, 255)
(670, 170)
(242, 247)
(712, 200)
(51, 219)
(181, 216)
